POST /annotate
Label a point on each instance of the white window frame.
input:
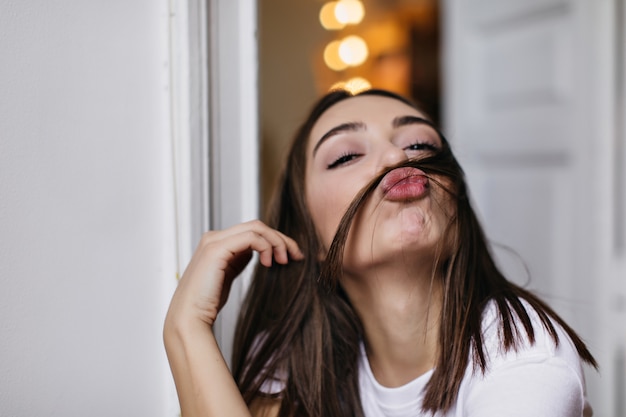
(234, 133)
(214, 118)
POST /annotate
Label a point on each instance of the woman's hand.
(203, 381)
(219, 258)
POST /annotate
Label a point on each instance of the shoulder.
(543, 348)
(265, 407)
(273, 377)
(540, 378)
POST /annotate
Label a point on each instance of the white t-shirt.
(541, 380)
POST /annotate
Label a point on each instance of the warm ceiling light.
(353, 85)
(332, 58)
(353, 51)
(328, 17)
(349, 12)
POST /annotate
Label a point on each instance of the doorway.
(400, 50)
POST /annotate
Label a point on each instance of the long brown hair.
(297, 324)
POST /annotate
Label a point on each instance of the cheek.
(445, 206)
(327, 206)
(444, 212)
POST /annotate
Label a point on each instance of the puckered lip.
(404, 183)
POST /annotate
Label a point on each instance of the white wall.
(86, 219)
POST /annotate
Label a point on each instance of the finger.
(244, 242)
(284, 246)
(292, 247)
(216, 235)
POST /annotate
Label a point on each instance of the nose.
(391, 155)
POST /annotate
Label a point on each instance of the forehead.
(371, 110)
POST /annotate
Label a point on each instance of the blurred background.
(531, 96)
(127, 129)
(307, 48)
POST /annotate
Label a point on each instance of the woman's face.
(350, 144)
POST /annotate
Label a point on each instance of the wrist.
(182, 326)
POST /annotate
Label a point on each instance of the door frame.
(213, 69)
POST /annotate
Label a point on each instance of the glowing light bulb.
(337, 86)
(354, 85)
(332, 58)
(349, 12)
(328, 17)
(353, 51)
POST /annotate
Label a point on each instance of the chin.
(389, 248)
(408, 227)
(396, 235)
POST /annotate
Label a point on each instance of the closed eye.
(419, 146)
(343, 159)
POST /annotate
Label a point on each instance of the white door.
(521, 84)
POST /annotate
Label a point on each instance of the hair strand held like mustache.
(442, 163)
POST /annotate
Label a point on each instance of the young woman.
(376, 294)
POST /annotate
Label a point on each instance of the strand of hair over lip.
(331, 268)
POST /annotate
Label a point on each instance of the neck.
(400, 315)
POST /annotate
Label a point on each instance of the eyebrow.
(344, 127)
(410, 120)
(356, 126)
